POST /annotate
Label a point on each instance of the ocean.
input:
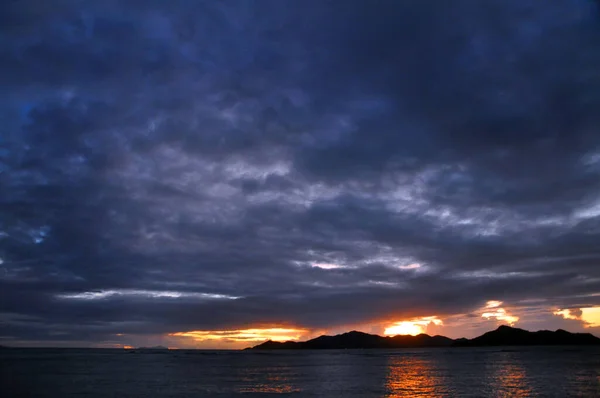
(431, 372)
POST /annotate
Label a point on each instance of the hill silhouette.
(503, 336)
(506, 335)
(356, 339)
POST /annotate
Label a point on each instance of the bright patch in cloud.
(412, 327)
(567, 314)
(326, 265)
(103, 294)
(493, 304)
(493, 309)
(410, 266)
(590, 316)
(244, 335)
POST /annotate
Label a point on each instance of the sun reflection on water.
(512, 380)
(413, 377)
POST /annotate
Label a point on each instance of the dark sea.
(454, 372)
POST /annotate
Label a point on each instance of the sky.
(212, 174)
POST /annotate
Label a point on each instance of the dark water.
(486, 372)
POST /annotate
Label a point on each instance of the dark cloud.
(209, 165)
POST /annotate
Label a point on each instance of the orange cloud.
(567, 314)
(412, 327)
(590, 316)
(243, 335)
(493, 309)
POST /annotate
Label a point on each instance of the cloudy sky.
(214, 173)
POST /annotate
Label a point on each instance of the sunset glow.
(243, 335)
(566, 314)
(493, 310)
(412, 327)
(590, 316)
(405, 328)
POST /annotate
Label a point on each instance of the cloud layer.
(220, 166)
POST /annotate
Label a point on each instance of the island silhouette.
(503, 336)
(153, 349)
(156, 347)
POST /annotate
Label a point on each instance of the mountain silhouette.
(506, 335)
(503, 336)
(356, 339)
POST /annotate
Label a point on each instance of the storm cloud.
(178, 166)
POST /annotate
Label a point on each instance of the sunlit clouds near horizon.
(248, 336)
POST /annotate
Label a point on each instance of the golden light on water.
(409, 376)
(412, 327)
(244, 335)
(511, 379)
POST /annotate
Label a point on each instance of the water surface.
(432, 372)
